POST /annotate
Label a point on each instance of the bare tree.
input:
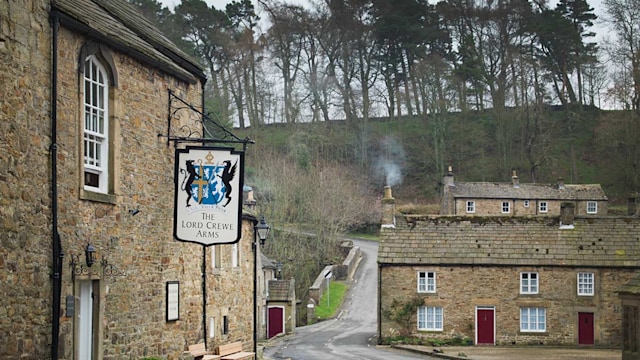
(624, 18)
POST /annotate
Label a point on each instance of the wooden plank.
(238, 356)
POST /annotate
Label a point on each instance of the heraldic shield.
(208, 195)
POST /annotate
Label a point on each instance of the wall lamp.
(90, 253)
(262, 230)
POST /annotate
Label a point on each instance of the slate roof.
(280, 290)
(266, 262)
(119, 25)
(511, 241)
(527, 191)
(631, 287)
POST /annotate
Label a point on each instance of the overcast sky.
(218, 4)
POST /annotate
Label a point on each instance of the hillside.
(579, 145)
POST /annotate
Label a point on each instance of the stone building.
(543, 280)
(519, 199)
(281, 307)
(88, 264)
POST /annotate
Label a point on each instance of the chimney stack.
(567, 214)
(448, 178)
(515, 180)
(560, 184)
(388, 209)
(250, 202)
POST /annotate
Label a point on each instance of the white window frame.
(506, 207)
(543, 206)
(96, 123)
(525, 203)
(216, 257)
(471, 207)
(235, 255)
(533, 319)
(586, 283)
(426, 282)
(529, 283)
(592, 207)
(430, 318)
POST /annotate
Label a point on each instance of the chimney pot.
(560, 183)
(515, 180)
(387, 193)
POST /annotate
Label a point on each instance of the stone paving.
(519, 353)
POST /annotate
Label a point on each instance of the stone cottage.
(536, 280)
(88, 264)
(519, 199)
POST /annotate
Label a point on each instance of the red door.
(276, 321)
(485, 326)
(585, 328)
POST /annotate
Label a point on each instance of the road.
(352, 334)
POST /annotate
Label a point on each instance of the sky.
(218, 4)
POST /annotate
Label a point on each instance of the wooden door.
(585, 328)
(276, 321)
(485, 326)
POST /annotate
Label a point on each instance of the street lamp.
(262, 230)
(260, 233)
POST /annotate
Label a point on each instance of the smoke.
(390, 161)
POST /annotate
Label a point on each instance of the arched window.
(96, 126)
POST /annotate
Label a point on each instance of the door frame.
(485, 307)
(97, 289)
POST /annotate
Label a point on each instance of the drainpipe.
(57, 252)
(204, 295)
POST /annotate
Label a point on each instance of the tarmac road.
(352, 334)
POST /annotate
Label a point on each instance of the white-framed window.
(533, 319)
(529, 283)
(235, 255)
(430, 318)
(592, 207)
(506, 207)
(471, 206)
(585, 284)
(525, 203)
(426, 282)
(216, 257)
(543, 206)
(96, 126)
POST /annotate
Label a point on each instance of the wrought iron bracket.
(101, 269)
(186, 123)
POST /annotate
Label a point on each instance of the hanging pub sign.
(208, 195)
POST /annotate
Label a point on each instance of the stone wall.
(25, 206)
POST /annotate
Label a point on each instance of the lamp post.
(260, 233)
